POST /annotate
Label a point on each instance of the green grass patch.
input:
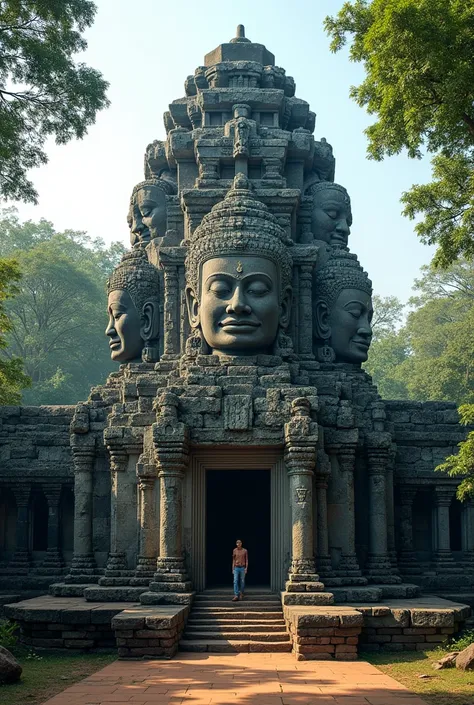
(449, 686)
(47, 674)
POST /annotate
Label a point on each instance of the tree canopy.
(419, 83)
(12, 377)
(58, 315)
(43, 91)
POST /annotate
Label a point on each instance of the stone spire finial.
(239, 35)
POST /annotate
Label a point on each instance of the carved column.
(305, 317)
(53, 563)
(300, 459)
(20, 562)
(389, 493)
(148, 544)
(322, 473)
(83, 567)
(443, 496)
(379, 568)
(171, 447)
(468, 534)
(407, 557)
(117, 567)
(171, 310)
(342, 488)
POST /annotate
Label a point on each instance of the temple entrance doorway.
(238, 506)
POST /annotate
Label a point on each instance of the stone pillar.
(443, 495)
(53, 563)
(305, 317)
(116, 570)
(348, 568)
(146, 561)
(83, 567)
(407, 558)
(300, 459)
(378, 568)
(322, 473)
(171, 310)
(389, 494)
(171, 446)
(20, 562)
(468, 534)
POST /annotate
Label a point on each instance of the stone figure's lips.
(364, 343)
(238, 323)
(114, 344)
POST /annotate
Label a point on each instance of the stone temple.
(239, 320)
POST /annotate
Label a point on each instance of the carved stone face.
(350, 324)
(331, 217)
(124, 327)
(147, 215)
(239, 308)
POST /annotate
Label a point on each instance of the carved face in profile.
(240, 307)
(147, 214)
(347, 325)
(331, 217)
(128, 329)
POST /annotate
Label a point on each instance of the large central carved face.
(350, 324)
(239, 308)
(147, 214)
(331, 217)
(124, 327)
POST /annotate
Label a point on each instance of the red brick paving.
(237, 679)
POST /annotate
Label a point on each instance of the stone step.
(170, 587)
(69, 589)
(226, 613)
(236, 624)
(357, 594)
(222, 646)
(308, 599)
(244, 635)
(229, 626)
(249, 590)
(166, 598)
(304, 586)
(248, 603)
(225, 594)
(113, 594)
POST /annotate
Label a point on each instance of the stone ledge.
(149, 632)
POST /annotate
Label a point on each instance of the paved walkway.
(237, 679)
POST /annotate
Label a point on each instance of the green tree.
(58, 316)
(12, 377)
(419, 83)
(462, 464)
(389, 347)
(43, 91)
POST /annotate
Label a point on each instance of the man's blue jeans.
(239, 580)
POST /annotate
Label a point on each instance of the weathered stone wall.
(322, 633)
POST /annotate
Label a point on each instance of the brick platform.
(321, 633)
(250, 679)
(149, 632)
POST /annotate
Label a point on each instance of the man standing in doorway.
(240, 564)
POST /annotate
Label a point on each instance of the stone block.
(432, 618)
(128, 622)
(315, 649)
(238, 412)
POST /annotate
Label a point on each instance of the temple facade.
(239, 319)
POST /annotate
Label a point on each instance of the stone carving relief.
(342, 310)
(331, 215)
(133, 308)
(238, 276)
(147, 213)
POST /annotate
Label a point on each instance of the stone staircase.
(216, 624)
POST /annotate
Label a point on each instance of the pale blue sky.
(147, 48)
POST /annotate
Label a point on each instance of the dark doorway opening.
(237, 507)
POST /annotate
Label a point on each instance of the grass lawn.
(449, 686)
(53, 672)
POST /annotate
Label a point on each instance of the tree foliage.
(58, 316)
(419, 83)
(462, 464)
(43, 91)
(12, 377)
